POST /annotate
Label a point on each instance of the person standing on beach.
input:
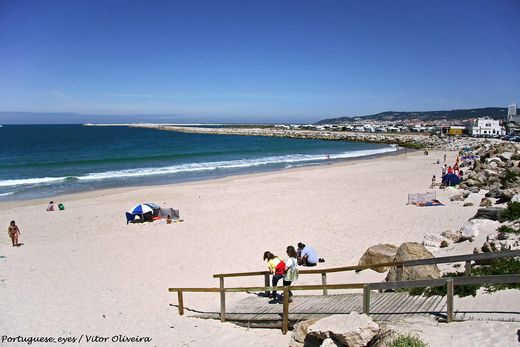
(291, 268)
(14, 233)
(444, 158)
(51, 206)
(277, 268)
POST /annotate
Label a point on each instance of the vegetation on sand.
(408, 341)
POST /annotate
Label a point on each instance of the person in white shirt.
(307, 255)
(291, 268)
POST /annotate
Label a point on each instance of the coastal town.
(506, 128)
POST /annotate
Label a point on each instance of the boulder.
(353, 330)
(452, 235)
(412, 251)
(300, 329)
(474, 189)
(486, 202)
(432, 240)
(491, 213)
(381, 253)
(486, 247)
(515, 198)
(494, 193)
(506, 156)
(457, 197)
(473, 227)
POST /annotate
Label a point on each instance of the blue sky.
(254, 61)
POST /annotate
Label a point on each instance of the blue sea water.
(47, 160)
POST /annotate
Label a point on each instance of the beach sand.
(84, 271)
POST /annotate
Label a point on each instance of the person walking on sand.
(14, 233)
(276, 267)
(433, 181)
(444, 158)
(51, 206)
(291, 268)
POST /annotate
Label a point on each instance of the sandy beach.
(84, 271)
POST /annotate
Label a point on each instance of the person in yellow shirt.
(277, 268)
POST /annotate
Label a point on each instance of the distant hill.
(494, 112)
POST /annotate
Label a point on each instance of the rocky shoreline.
(409, 140)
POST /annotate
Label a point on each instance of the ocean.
(47, 160)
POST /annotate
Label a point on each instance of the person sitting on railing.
(307, 255)
(277, 268)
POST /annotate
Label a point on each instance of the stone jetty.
(409, 140)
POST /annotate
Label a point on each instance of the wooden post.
(449, 303)
(266, 282)
(366, 299)
(181, 303)
(399, 272)
(285, 316)
(324, 282)
(222, 301)
(467, 272)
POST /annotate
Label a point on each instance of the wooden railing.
(467, 258)
(367, 287)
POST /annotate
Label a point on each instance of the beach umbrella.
(140, 209)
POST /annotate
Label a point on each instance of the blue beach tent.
(450, 179)
(142, 210)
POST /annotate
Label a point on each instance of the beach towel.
(429, 203)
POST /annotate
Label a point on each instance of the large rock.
(474, 227)
(506, 156)
(352, 330)
(515, 198)
(486, 202)
(491, 213)
(432, 240)
(457, 197)
(381, 253)
(413, 251)
(300, 329)
(452, 235)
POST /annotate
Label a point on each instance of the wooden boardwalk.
(256, 312)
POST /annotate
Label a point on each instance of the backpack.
(292, 273)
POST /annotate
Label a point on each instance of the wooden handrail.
(449, 282)
(367, 287)
(433, 282)
(418, 262)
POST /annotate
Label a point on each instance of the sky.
(254, 61)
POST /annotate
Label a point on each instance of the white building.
(487, 127)
(511, 112)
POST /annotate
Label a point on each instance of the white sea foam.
(289, 160)
(27, 181)
(6, 194)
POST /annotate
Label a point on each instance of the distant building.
(511, 112)
(456, 130)
(487, 127)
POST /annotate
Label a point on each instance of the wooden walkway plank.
(256, 311)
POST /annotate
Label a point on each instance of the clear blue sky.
(257, 60)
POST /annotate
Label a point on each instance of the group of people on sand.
(445, 170)
(50, 207)
(288, 270)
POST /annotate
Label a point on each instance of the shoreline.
(14, 201)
